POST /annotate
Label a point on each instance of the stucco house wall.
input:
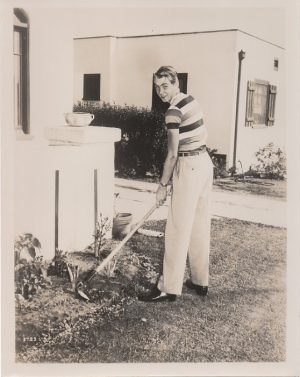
(211, 61)
(95, 55)
(30, 162)
(259, 65)
(51, 67)
(210, 74)
(50, 97)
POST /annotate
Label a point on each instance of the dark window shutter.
(271, 105)
(91, 87)
(249, 103)
(182, 80)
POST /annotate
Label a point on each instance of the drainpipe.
(241, 57)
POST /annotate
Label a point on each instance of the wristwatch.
(163, 184)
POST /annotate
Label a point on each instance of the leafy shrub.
(143, 145)
(252, 173)
(26, 247)
(271, 162)
(30, 268)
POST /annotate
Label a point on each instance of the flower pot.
(121, 224)
(79, 119)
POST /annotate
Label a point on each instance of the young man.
(188, 224)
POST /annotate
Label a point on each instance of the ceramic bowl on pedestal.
(79, 119)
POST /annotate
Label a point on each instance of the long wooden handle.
(124, 240)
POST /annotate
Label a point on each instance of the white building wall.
(208, 58)
(7, 158)
(95, 55)
(51, 67)
(51, 89)
(29, 164)
(211, 61)
(258, 64)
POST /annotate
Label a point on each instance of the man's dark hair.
(167, 71)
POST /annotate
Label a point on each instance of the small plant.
(102, 228)
(26, 248)
(109, 269)
(73, 274)
(58, 266)
(61, 267)
(30, 268)
(271, 162)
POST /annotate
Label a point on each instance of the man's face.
(165, 89)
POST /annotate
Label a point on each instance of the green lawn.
(242, 319)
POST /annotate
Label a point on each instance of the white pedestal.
(57, 195)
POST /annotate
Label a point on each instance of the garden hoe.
(80, 284)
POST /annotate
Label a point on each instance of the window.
(260, 106)
(260, 99)
(21, 70)
(276, 64)
(91, 87)
(157, 103)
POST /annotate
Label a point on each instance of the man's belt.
(194, 152)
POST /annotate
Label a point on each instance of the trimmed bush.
(271, 162)
(143, 145)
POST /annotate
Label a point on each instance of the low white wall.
(36, 164)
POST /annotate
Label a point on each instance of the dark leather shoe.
(155, 295)
(200, 289)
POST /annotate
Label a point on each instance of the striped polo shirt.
(186, 115)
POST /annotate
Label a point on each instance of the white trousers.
(188, 224)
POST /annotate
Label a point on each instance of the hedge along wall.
(143, 146)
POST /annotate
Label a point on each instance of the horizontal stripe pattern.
(191, 119)
(190, 140)
(186, 115)
(184, 102)
(191, 127)
(196, 132)
(172, 119)
(173, 116)
(173, 111)
(190, 115)
(173, 126)
(193, 142)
